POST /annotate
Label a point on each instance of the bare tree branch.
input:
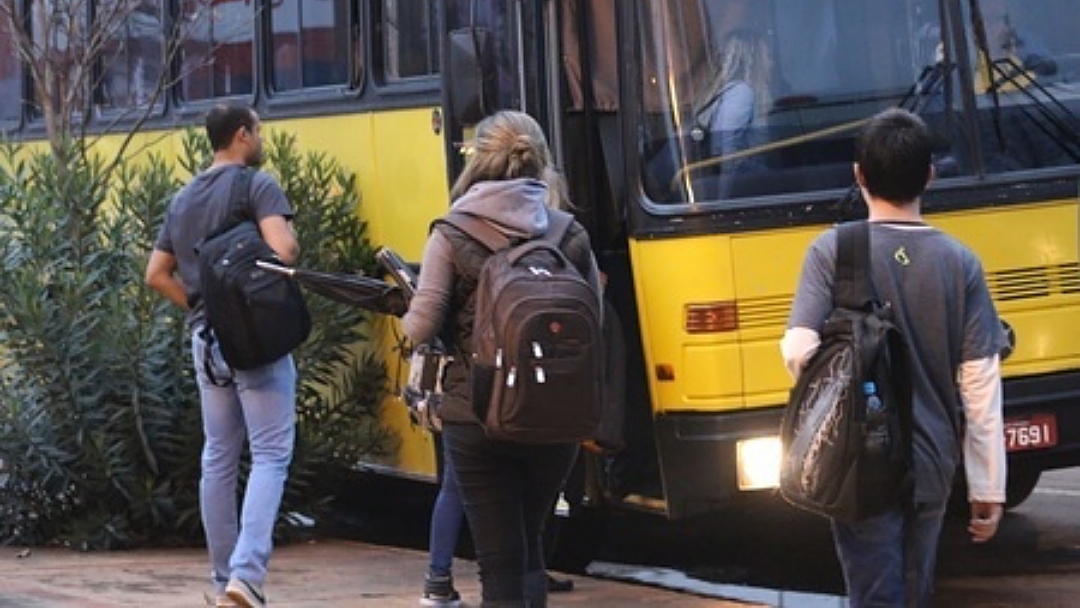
(173, 46)
(65, 47)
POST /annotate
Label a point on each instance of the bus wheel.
(1020, 484)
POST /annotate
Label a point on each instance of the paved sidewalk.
(323, 573)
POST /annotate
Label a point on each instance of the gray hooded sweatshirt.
(516, 208)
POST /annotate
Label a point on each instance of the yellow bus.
(699, 213)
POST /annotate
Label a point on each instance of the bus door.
(522, 55)
(558, 60)
(484, 67)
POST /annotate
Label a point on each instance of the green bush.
(100, 431)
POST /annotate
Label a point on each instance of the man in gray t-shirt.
(942, 305)
(200, 207)
(258, 404)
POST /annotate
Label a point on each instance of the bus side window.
(11, 79)
(311, 43)
(409, 39)
(134, 60)
(217, 52)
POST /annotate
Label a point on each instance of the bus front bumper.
(710, 460)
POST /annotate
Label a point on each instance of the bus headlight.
(758, 462)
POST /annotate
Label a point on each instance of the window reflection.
(310, 43)
(506, 88)
(216, 52)
(410, 47)
(11, 77)
(748, 98)
(62, 34)
(1030, 84)
(133, 53)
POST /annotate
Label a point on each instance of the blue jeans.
(259, 406)
(508, 490)
(889, 560)
(447, 517)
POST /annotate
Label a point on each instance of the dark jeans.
(889, 560)
(508, 490)
(447, 518)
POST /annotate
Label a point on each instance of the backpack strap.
(240, 197)
(236, 213)
(239, 210)
(853, 287)
(209, 356)
(559, 223)
(476, 228)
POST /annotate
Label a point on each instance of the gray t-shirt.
(942, 305)
(199, 208)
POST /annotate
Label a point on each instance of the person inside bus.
(938, 293)
(508, 489)
(735, 97)
(1006, 40)
(1015, 137)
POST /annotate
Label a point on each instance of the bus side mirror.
(471, 75)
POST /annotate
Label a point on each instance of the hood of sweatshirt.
(515, 206)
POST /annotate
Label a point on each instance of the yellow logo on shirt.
(901, 257)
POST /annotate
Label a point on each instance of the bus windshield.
(741, 99)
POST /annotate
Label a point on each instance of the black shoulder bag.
(258, 316)
(846, 432)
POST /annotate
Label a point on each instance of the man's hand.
(985, 517)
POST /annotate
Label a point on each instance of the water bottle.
(877, 432)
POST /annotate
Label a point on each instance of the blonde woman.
(508, 489)
(738, 94)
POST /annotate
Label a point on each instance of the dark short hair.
(894, 155)
(223, 121)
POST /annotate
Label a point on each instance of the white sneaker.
(220, 601)
(245, 594)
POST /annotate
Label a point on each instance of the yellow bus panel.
(1029, 253)
(400, 166)
(704, 369)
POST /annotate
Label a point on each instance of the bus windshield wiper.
(1050, 115)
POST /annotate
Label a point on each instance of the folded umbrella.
(352, 289)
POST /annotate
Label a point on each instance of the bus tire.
(1020, 484)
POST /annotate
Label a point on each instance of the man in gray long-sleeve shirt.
(942, 305)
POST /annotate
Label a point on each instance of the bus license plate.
(1033, 433)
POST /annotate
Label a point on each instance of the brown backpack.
(537, 361)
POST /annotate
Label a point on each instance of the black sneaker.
(439, 592)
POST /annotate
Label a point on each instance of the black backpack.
(537, 362)
(258, 316)
(846, 432)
